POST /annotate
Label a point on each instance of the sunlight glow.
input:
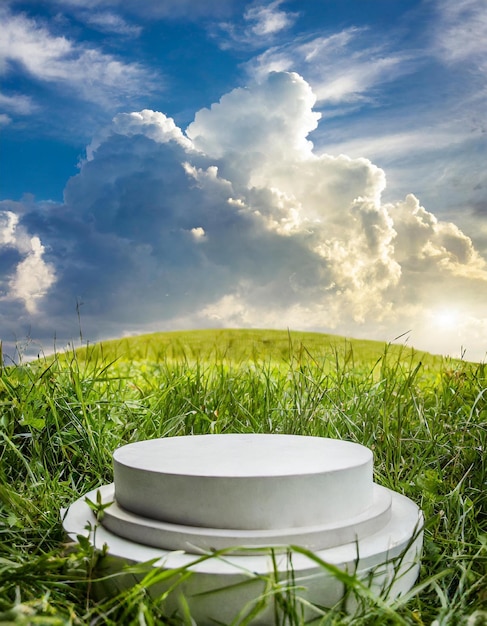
(446, 319)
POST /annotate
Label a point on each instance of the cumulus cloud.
(238, 221)
(26, 276)
(422, 239)
(152, 124)
(274, 117)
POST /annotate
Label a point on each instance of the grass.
(236, 346)
(61, 417)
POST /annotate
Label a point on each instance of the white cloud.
(349, 82)
(33, 277)
(268, 19)
(8, 224)
(241, 222)
(402, 142)
(152, 124)
(109, 22)
(275, 116)
(93, 74)
(17, 103)
(462, 30)
(30, 276)
(262, 22)
(426, 242)
(342, 67)
(198, 233)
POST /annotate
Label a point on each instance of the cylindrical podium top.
(244, 481)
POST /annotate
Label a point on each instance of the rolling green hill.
(240, 345)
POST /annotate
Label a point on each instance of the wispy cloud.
(109, 22)
(342, 67)
(260, 25)
(268, 19)
(461, 32)
(27, 45)
(149, 9)
(17, 103)
(399, 144)
(460, 42)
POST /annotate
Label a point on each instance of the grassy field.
(61, 417)
(243, 345)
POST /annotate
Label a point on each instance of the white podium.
(178, 498)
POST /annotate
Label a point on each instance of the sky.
(295, 164)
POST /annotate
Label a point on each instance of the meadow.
(61, 417)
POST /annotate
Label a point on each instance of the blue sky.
(313, 164)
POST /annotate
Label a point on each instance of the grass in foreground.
(60, 420)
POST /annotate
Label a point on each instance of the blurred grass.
(239, 345)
